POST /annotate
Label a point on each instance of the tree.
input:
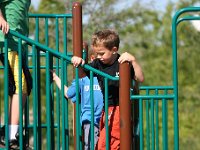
(146, 33)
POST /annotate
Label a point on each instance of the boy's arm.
(139, 76)
(4, 26)
(57, 80)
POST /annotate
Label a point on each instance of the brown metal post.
(77, 46)
(77, 29)
(125, 107)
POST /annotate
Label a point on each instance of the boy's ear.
(92, 57)
(114, 49)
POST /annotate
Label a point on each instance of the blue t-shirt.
(84, 89)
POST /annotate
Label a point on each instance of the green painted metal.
(154, 101)
(36, 54)
(92, 110)
(6, 92)
(176, 20)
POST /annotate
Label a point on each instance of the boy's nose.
(98, 56)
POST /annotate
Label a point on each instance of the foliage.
(146, 33)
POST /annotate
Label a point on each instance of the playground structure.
(50, 127)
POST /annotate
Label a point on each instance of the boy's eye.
(100, 54)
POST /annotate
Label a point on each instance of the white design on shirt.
(95, 87)
(117, 74)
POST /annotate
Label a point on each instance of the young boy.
(105, 44)
(84, 89)
(14, 16)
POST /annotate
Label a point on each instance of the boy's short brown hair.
(108, 38)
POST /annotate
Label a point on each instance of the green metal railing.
(40, 62)
(175, 22)
(50, 124)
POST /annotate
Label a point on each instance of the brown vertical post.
(77, 29)
(125, 107)
(77, 46)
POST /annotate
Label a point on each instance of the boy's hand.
(4, 26)
(139, 76)
(76, 61)
(126, 57)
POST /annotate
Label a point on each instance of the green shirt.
(15, 12)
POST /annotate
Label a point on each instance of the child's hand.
(76, 61)
(139, 76)
(4, 26)
(126, 57)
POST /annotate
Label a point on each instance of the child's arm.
(4, 26)
(57, 80)
(139, 76)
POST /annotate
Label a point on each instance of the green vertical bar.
(141, 123)
(57, 91)
(66, 110)
(66, 79)
(63, 106)
(37, 99)
(49, 138)
(106, 113)
(77, 111)
(157, 123)
(58, 100)
(6, 90)
(164, 122)
(34, 51)
(92, 109)
(175, 81)
(147, 123)
(65, 35)
(47, 87)
(37, 29)
(152, 125)
(27, 105)
(20, 93)
(57, 34)
(46, 32)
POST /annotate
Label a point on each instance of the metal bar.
(156, 97)
(92, 109)
(157, 123)
(50, 15)
(77, 112)
(77, 50)
(35, 97)
(141, 123)
(125, 107)
(6, 92)
(175, 74)
(164, 122)
(48, 104)
(64, 144)
(152, 125)
(106, 113)
(147, 123)
(20, 93)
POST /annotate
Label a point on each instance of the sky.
(35, 3)
(159, 4)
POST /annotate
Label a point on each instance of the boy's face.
(105, 55)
